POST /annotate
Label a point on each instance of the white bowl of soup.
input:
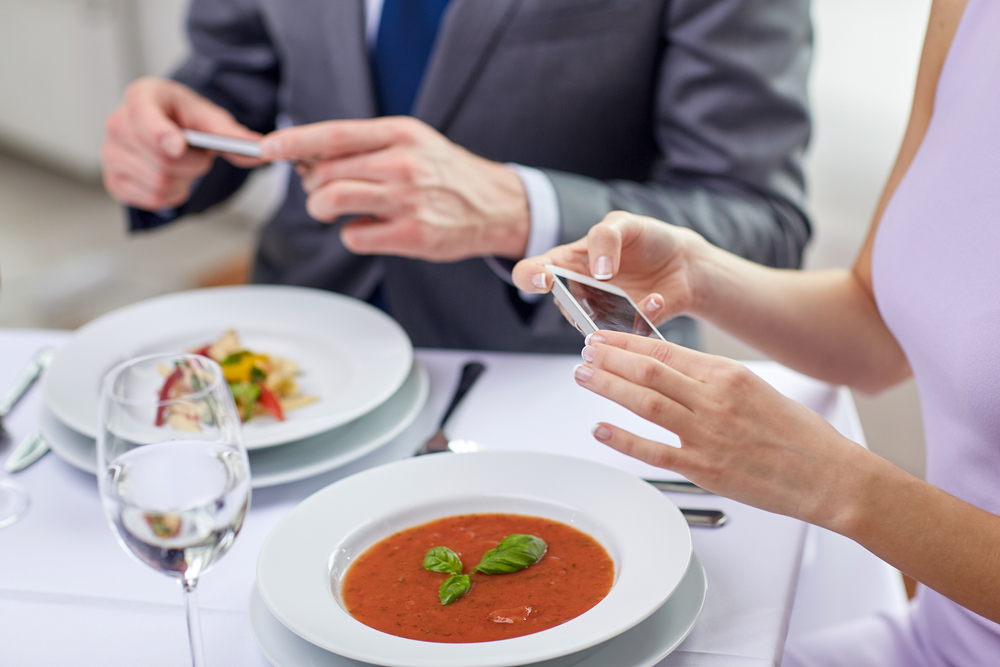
(470, 502)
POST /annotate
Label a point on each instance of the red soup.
(387, 587)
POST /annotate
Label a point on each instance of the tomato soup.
(388, 589)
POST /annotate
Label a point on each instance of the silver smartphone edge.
(567, 301)
(220, 143)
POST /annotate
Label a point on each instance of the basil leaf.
(453, 588)
(515, 552)
(234, 358)
(257, 375)
(246, 394)
(443, 559)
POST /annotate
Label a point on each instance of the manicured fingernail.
(583, 373)
(594, 338)
(601, 432)
(653, 305)
(588, 353)
(172, 145)
(540, 280)
(602, 268)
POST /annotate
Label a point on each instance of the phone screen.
(608, 311)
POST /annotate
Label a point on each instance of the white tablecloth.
(69, 594)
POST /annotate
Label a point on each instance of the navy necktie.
(405, 37)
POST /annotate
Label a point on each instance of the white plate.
(353, 356)
(644, 645)
(304, 558)
(291, 462)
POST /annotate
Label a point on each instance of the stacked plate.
(355, 358)
(298, 617)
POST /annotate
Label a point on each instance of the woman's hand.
(653, 261)
(740, 438)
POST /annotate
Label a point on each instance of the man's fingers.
(653, 453)
(351, 197)
(694, 364)
(156, 172)
(381, 166)
(366, 236)
(135, 193)
(148, 108)
(337, 138)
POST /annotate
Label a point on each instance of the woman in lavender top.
(922, 299)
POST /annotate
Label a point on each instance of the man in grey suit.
(533, 119)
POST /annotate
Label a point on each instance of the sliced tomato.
(168, 384)
(270, 402)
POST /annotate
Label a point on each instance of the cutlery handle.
(704, 518)
(30, 450)
(677, 486)
(24, 381)
(470, 373)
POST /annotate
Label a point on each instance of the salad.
(261, 384)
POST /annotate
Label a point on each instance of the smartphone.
(219, 143)
(593, 304)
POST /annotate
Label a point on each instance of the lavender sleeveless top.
(936, 274)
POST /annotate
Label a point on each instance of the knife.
(27, 452)
(677, 486)
(698, 518)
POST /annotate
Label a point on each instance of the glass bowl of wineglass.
(172, 468)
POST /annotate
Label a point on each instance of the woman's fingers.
(649, 451)
(694, 364)
(650, 404)
(531, 276)
(652, 305)
(604, 246)
(645, 371)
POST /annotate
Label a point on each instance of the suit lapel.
(469, 33)
(343, 24)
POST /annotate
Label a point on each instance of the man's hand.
(419, 194)
(145, 159)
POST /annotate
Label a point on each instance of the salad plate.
(643, 646)
(290, 462)
(351, 356)
(303, 561)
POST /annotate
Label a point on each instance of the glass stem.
(194, 622)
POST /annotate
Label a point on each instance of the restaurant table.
(70, 595)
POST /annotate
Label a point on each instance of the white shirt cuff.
(543, 208)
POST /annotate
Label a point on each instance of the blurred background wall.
(65, 258)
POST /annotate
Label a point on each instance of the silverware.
(27, 452)
(698, 518)
(439, 441)
(678, 486)
(24, 381)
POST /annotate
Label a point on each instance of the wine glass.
(173, 471)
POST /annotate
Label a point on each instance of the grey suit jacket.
(692, 111)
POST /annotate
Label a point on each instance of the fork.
(439, 441)
(24, 381)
